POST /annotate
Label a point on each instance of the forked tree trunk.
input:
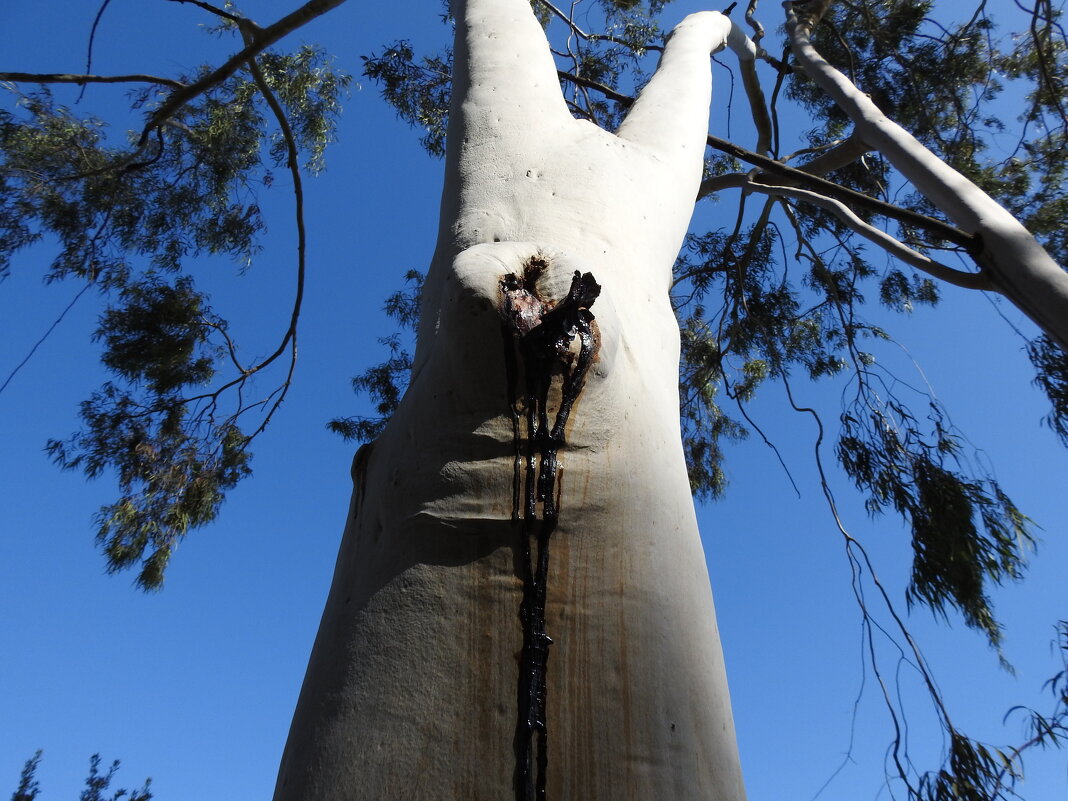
(425, 679)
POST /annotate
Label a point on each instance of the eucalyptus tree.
(529, 495)
(939, 78)
(520, 604)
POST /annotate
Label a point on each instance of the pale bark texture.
(414, 689)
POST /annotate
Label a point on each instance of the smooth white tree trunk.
(412, 691)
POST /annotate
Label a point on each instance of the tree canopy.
(774, 292)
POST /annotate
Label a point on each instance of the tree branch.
(1017, 263)
(797, 177)
(591, 37)
(293, 162)
(589, 83)
(841, 155)
(219, 12)
(884, 240)
(747, 52)
(264, 38)
(289, 338)
(92, 40)
(757, 104)
(59, 77)
(261, 39)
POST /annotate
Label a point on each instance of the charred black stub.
(540, 339)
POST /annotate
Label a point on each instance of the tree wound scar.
(540, 338)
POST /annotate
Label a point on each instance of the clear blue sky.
(194, 686)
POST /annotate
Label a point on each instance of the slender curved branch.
(590, 37)
(289, 338)
(92, 40)
(61, 77)
(231, 346)
(884, 240)
(798, 177)
(852, 543)
(293, 162)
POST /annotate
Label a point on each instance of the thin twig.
(89, 48)
(594, 37)
(45, 336)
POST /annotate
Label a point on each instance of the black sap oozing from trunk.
(540, 339)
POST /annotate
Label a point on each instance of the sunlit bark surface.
(413, 687)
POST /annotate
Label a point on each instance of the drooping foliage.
(173, 455)
(418, 88)
(385, 383)
(1053, 379)
(175, 423)
(966, 533)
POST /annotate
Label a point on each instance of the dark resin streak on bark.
(540, 336)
